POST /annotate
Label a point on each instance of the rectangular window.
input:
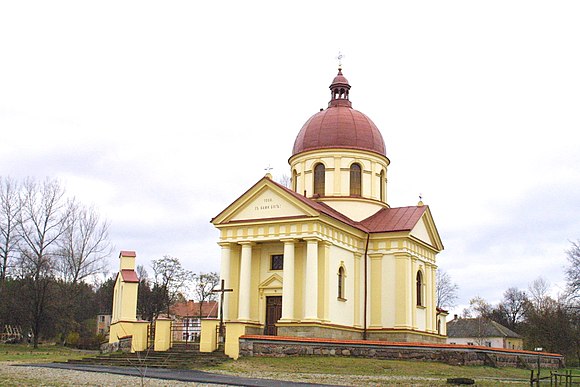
(488, 344)
(277, 262)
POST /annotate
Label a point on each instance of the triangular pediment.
(272, 282)
(265, 200)
(426, 231)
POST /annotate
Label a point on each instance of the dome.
(339, 126)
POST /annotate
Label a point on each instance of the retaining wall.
(254, 345)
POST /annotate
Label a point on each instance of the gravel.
(12, 375)
(41, 376)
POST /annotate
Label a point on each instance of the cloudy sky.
(162, 113)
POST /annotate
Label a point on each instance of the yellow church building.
(328, 257)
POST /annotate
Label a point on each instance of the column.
(225, 275)
(288, 281)
(245, 282)
(311, 283)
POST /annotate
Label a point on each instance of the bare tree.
(171, 278)
(84, 245)
(538, 290)
(204, 283)
(285, 180)
(511, 309)
(573, 271)
(478, 307)
(42, 221)
(9, 212)
(446, 290)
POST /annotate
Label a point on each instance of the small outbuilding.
(483, 332)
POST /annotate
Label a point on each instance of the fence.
(556, 378)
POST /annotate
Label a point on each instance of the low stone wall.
(123, 345)
(445, 353)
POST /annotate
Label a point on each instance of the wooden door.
(273, 314)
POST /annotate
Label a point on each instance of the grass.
(436, 373)
(45, 353)
(308, 368)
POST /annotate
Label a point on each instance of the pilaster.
(288, 281)
(311, 283)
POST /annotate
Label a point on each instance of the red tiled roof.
(394, 219)
(191, 309)
(127, 253)
(129, 275)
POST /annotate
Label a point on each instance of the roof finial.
(420, 204)
(339, 58)
(268, 169)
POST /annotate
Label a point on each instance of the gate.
(186, 332)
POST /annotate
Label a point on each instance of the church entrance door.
(273, 314)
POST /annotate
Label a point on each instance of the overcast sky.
(162, 113)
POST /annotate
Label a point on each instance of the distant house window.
(102, 318)
(277, 262)
(341, 283)
(488, 343)
(319, 172)
(355, 180)
(470, 343)
(419, 289)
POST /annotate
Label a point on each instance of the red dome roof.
(339, 126)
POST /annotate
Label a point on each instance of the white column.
(245, 282)
(288, 281)
(225, 275)
(311, 283)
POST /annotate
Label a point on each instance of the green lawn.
(436, 373)
(45, 353)
(486, 376)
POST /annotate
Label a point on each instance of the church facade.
(328, 257)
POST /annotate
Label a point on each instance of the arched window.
(419, 288)
(341, 283)
(355, 180)
(382, 185)
(294, 181)
(319, 179)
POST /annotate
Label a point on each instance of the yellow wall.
(162, 334)
(208, 340)
(337, 164)
(393, 260)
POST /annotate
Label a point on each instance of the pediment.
(426, 231)
(265, 200)
(272, 282)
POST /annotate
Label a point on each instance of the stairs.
(179, 358)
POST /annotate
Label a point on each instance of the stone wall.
(123, 345)
(450, 354)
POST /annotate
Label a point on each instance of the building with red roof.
(327, 256)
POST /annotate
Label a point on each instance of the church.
(328, 257)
